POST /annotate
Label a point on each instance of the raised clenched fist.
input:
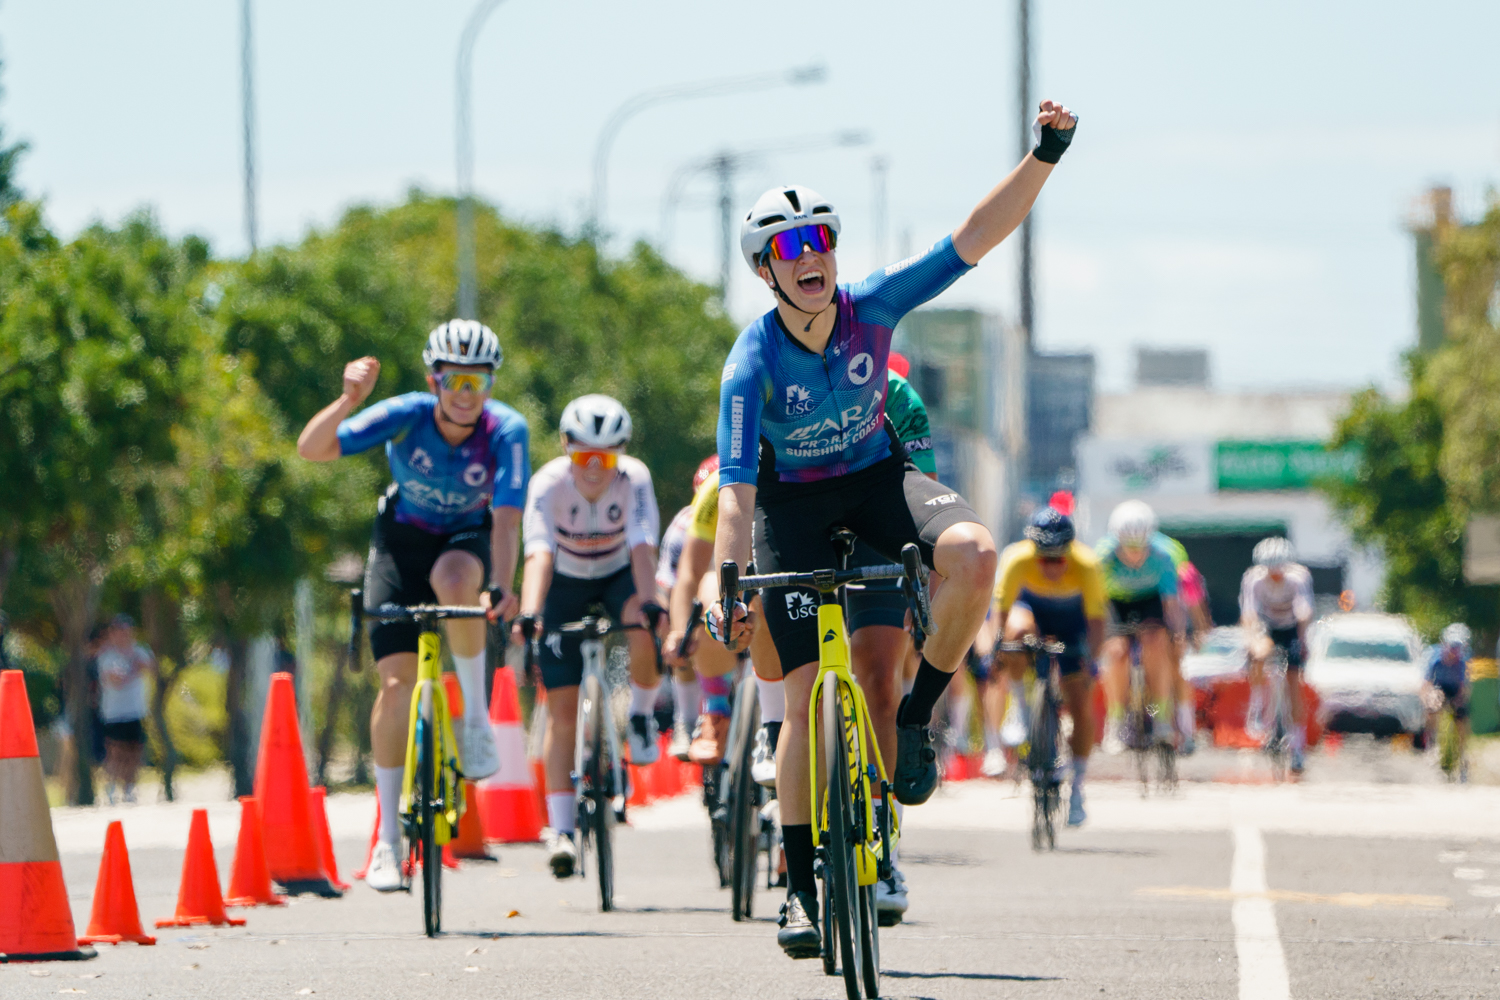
(359, 378)
(1053, 113)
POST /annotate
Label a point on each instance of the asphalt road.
(1337, 887)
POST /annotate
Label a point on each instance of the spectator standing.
(123, 664)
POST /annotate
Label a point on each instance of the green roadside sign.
(1281, 465)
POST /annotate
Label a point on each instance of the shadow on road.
(999, 976)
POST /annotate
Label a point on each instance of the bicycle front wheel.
(744, 801)
(427, 814)
(598, 810)
(843, 883)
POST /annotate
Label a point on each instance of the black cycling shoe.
(916, 763)
(799, 936)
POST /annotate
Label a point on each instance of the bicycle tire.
(827, 952)
(843, 880)
(432, 854)
(1041, 762)
(869, 950)
(744, 804)
(719, 822)
(599, 812)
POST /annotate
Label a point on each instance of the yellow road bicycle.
(851, 798)
(432, 789)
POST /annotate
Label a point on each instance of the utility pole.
(1026, 113)
(878, 167)
(468, 278)
(724, 166)
(247, 113)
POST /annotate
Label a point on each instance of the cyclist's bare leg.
(965, 559)
(1156, 659)
(792, 791)
(1115, 676)
(557, 746)
(878, 652)
(642, 650)
(1019, 623)
(456, 579)
(1077, 691)
(1259, 651)
(388, 726)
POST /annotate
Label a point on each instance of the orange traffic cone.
(115, 917)
(539, 785)
(374, 838)
(36, 922)
(250, 881)
(293, 854)
(319, 809)
(507, 800)
(199, 900)
(469, 844)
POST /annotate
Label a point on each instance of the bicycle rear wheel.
(1041, 762)
(842, 833)
(598, 812)
(427, 814)
(744, 801)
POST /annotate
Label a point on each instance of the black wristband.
(1054, 143)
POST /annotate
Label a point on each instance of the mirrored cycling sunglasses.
(788, 245)
(472, 381)
(586, 457)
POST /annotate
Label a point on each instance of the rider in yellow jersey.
(1050, 585)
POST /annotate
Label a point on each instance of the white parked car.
(1367, 670)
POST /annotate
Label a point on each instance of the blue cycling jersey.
(1444, 674)
(1157, 575)
(445, 488)
(822, 415)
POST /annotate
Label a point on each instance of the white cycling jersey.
(590, 540)
(672, 541)
(1279, 604)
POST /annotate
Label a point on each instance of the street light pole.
(247, 115)
(1023, 103)
(724, 165)
(468, 279)
(878, 167)
(683, 91)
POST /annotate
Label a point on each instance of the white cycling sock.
(388, 794)
(642, 699)
(1187, 719)
(772, 696)
(561, 814)
(1257, 708)
(687, 697)
(470, 670)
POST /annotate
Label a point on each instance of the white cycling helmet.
(778, 210)
(1456, 634)
(462, 342)
(596, 421)
(1133, 523)
(1273, 551)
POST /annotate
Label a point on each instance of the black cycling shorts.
(400, 570)
(1457, 699)
(130, 731)
(888, 505)
(1287, 639)
(568, 600)
(1125, 616)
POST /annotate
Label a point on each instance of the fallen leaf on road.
(471, 968)
(283, 941)
(193, 966)
(513, 913)
(90, 975)
(475, 951)
(306, 990)
(199, 946)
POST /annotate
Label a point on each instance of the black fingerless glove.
(1053, 143)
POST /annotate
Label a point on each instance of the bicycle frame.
(430, 675)
(592, 651)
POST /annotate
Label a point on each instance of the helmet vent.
(770, 220)
(791, 196)
(598, 423)
(822, 210)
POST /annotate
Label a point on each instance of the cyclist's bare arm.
(505, 533)
(319, 440)
(732, 540)
(536, 577)
(643, 569)
(697, 557)
(1176, 619)
(1002, 210)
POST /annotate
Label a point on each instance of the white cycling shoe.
(641, 736)
(562, 854)
(994, 763)
(890, 899)
(384, 873)
(481, 757)
(763, 756)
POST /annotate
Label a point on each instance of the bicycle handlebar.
(695, 619)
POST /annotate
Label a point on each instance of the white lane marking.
(1257, 943)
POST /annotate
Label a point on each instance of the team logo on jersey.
(800, 605)
(728, 371)
(946, 498)
(614, 512)
(798, 400)
(421, 461)
(861, 368)
(475, 474)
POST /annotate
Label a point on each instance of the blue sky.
(1240, 179)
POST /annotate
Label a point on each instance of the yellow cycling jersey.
(704, 522)
(1021, 570)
